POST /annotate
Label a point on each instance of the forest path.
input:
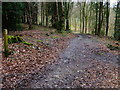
(82, 64)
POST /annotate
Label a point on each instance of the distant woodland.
(96, 18)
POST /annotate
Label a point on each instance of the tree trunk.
(86, 18)
(23, 18)
(29, 15)
(41, 13)
(117, 22)
(75, 25)
(107, 19)
(67, 23)
(54, 19)
(96, 28)
(66, 9)
(80, 18)
(61, 17)
(84, 3)
(36, 14)
(70, 22)
(100, 17)
(46, 14)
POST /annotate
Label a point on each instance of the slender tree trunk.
(67, 8)
(67, 23)
(90, 21)
(61, 17)
(70, 22)
(100, 16)
(57, 10)
(80, 18)
(27, 19)
(75, 25)
(29, 16)
(46, 14)
(26, 16)
(36, 14)
(107, 19)
(41, 13)
(117, 22)
(23, 18)
(84, 16)
(86, 23)
(96, 28)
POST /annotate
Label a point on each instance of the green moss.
(27, 43)
(54, 37)
(39, 41)
(16, 39)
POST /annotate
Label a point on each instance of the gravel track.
(72, 63)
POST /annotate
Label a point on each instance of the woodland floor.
(61, 61)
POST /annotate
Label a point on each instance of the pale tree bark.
(84, 4)
(80, 20)
(75, 25)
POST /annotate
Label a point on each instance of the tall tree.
(96, 26)
(61, 19)
(117, 22)
(87, 12)
(84, 4)
(29, 13)
(41, 13)
(80, 7)
(67, 7)
(58, 17)
(46, 14)
(107, 17)
(100, 17)
(54, 19)
(75, 24)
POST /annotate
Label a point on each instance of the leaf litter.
(26, 60)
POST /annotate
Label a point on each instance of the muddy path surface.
(82, 64)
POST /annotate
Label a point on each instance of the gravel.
(84, 63)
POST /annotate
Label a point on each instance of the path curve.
(72, 63)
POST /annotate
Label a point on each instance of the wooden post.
(6, 50)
